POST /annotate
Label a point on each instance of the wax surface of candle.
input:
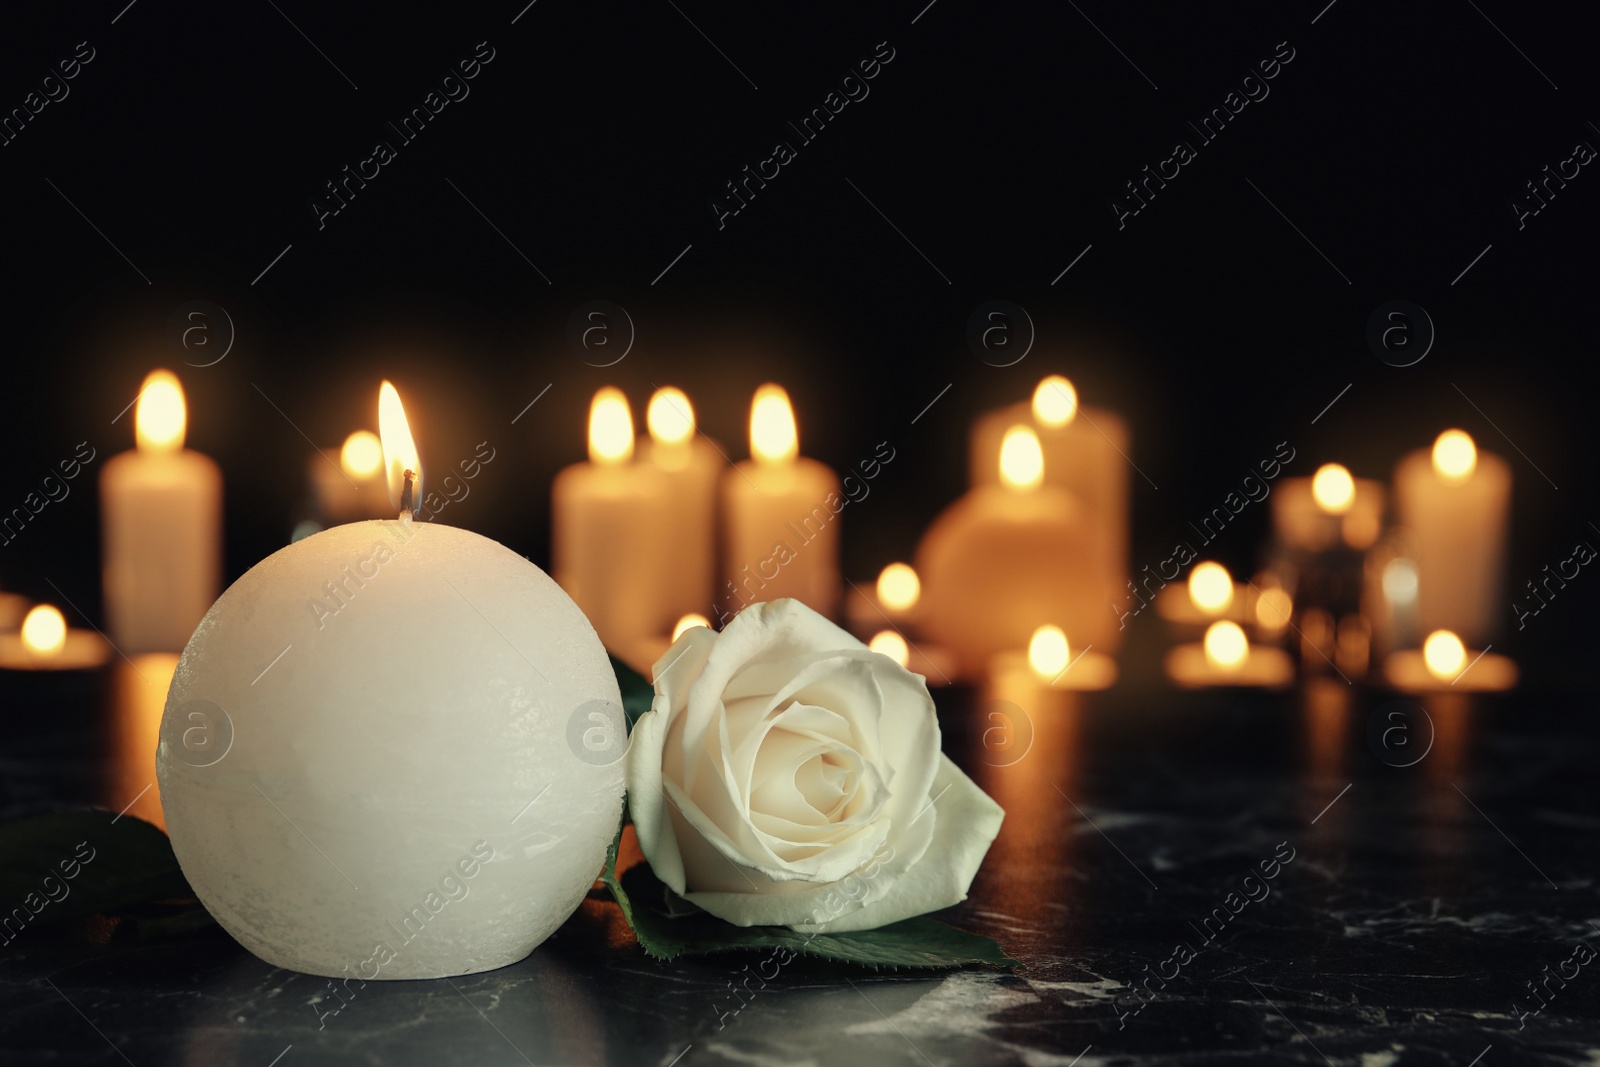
(412, 783)
(161, 517)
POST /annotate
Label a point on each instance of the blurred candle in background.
(1331, 509)
(781, 516)
(161, 522)
(1006, 559)
(45, 643)
(353, 487)
(686, 465)
(138, 697)
(1454, 503)
(606, 544)
(1085, 453)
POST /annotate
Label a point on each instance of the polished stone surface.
(1408, 911)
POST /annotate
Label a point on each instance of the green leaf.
(920, 942)
(637, 692)
(79, 863)
(609, 875)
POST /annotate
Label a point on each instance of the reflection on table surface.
(1437, 867)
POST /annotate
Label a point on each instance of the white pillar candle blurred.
(1455, 502)
(376, 760)
(351, 487)
(781, 516)
(607, 547)
(1006, 559)
(687, 466)
(1086, 452)
(161, 524)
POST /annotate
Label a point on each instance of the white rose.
(785, 775)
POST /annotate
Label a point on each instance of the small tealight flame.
(1048, 653)
(773, 436)
(44, 631)
(399, 450)
(362, 455)
(1454, 456)
(1273, 608)
(888, 643)
(1226, 646)
(1021, 458)
(689, 622)
(1210, 587)
(610, 428)
(1333, 488)
(899, 587)
(159, 416)
(1444, 654)
(670, 416)
(1055, 401)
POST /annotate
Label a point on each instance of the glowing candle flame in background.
(899, 588)
(1454, 456)
(160, 416)
(1055, 401)
(1048, 653)
(1021, 458)
(362, 455)
(891, 644)
(689, 622)
(1226, 646)
(670, 416)
(1444, 654)
(44, 631)
(610, 428)
(1333, 488)
(1210, 587)
(773, 435)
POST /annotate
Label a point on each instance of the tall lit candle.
(1455, 502)
(1086, 452)
(687, 466)
(607, 547)
(781, 516)
(1006, 559)
(370, 760)
(161, 524)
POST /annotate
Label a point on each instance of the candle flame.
(1443, 654)
(159, 415)
(899, 587)
(1226, 646)
(1048, 653)
(610, 428)
(670, 416)
(1454, 456)
(399, 450)
(362, 455)
(888, 643)
(1021, 458)
(1210, 587)
(773, 436)
(689, 622)
(1273, 608)
(1055, 401)
(1333, 489)
(44, 631)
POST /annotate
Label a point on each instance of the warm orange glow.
(1226, 646)
(362, 455)
(1055, 401)
(899, 587)
(159, 415)
(399, 450)
(1048, 653)
(670, 416)
(689, 622)
(610, 428)
(1444, 654)
(1454, 457)
(773, 436)
(44, 631)
(1333, 488)
(1210, 587)
(1273, 608)
(1021, 458)
(888, 643)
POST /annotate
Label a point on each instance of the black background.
(995, 140)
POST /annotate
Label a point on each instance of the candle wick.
(407, 505)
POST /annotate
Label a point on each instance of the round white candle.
(607, 547)
(1455, 503)
(161, 518)
(374, 760)
(781, 516)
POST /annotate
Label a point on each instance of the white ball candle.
(381, 755)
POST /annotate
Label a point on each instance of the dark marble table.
(1410, 915)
